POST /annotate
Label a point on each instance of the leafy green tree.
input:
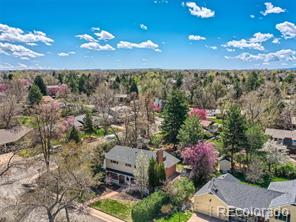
(38, 81)
(233, 134)
(253, 81)
(180, 190)
(74, 135)
(174, 115)
(88, 123)
(255, 139)
(35, 95)
(191, 131)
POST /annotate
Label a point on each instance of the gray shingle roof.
(289, 190)
(236, 194)
(129, 155)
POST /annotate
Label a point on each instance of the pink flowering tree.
(202, 157)
(200, 113)
(3, 87)
(64, 125)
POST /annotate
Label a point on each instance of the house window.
(128, 165)
(282, 217)
(113, 161)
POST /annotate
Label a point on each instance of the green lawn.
(177, 217)
(96, 133)
(264, 184)
(27, 121)
(119, 209)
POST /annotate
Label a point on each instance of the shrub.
(287, 170)
(148, 208)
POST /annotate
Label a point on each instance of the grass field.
(119, 209)
(176, 217)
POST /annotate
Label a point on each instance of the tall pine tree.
(233, 135)
(38, 81)
(174, 115)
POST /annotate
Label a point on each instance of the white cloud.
(213, 47)
(142, 45)
(144, 27)
(252, 16)
(18, 51)
(97, 46)
(196, 37)
(104, 35)
(230, 50)
(276, 41)
(270, 9)
(87, 38)
(95, 29)
(261, 37)
(12, 34)
(288, 29)
(253, 43)
(281, 55)
(63, 54)
(198, 11)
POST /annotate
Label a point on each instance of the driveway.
(202, 218)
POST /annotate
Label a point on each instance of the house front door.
(121, 179)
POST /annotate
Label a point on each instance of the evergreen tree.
(134, 87)
(88, 124)
(35, 95)
(82, 84)
(160, 169)
(74, 135)
(38, 81)
(233, 135)
(174, 115)
(255, 139)
(191, 131)
(156, 174)
(152, 173)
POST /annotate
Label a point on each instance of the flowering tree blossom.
(3, 87)
(200, 113)
(202, 158)
(65, 125)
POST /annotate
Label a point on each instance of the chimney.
(159, 156)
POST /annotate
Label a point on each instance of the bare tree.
(59, 190)
(141, 172)
(8, 110)
(46, 117)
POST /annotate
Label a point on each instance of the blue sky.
(114, 34)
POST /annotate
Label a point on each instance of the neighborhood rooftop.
(129, 155)
(234, 193)
(12, 135)
(281, 134)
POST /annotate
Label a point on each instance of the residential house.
(120, 163)
(284, 137)
(10, 136)
(227, 199)
(57, 90)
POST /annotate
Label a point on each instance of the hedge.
(148, 208)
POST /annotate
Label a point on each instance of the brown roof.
(12, 135)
